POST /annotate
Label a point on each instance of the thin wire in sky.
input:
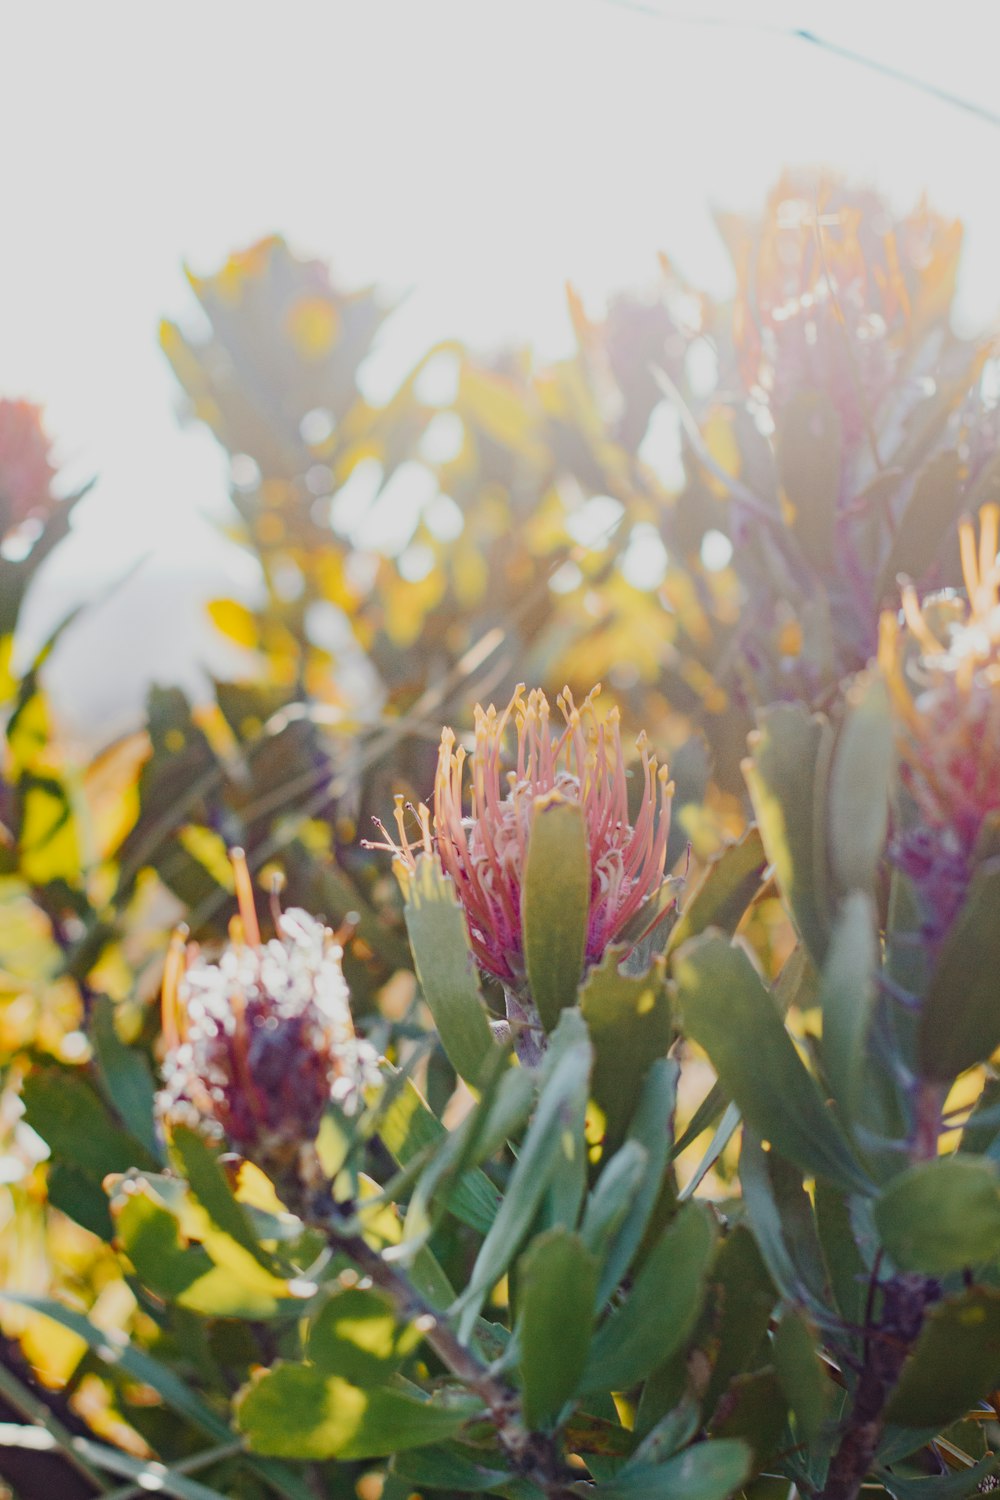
(812, 39)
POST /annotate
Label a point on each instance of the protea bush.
(642, 1137)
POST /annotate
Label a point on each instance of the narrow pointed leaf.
(557, 1290)
(555, 904)
(730, 1013)
(661, 1309)
(446, 969)
(847, 996)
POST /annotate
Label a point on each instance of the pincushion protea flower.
(484, 851)
(942, 665)
(262, 1041)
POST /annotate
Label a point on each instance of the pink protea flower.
(260, 1043)
(25, 471)
(484, 850)
(943, 668)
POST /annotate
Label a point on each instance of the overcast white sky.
(480, 151)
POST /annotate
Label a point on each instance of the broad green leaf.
(803, 1378)
(557, 1288)
(955, 1486)
(408, 1127)
(298, 1411)
(650, 1129)
(787, 777)
(661, 1309)
(942, 1215)
(808, 453)
(187, 1273)
(446, 968)
(630, 1026)
(447, 1468)
(755, 1410)
(956, 1361)
(673, 1431)
(80, 1197)
(207, 1180)
(730, 1013)
(847, 997)
(357, 1334)
(860, 775)
(547, 1148)
(70, 1117)
(705, 1471)
(741, 1298)
(125, 1076)
(555, 904)
(960, 1018)
(725, 891)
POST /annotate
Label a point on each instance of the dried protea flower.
(484, 850)
(25, 471)
(262, 1041)
(942, 664)
(832, 288)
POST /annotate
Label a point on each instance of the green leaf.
(942, 1215)
(207, 1180)
(297, 1411)
(787, 778)
(781, 1215)
(956, 1362)
(81, 1198)
(555, 904)
(860, 776)
(754, 1409)
(630, 1026)
(730, 1013)
(847, 997)
(358, 1335)
(725, 891)
(706, 1471)
(69, 1116)
(956, 1486)
(547, 1148)
(932, 510)
(408, 1127)
(960, 1018)
(557, 1289)
(661, 1308)
(446, 1468)
(808, 453)
(848, 1276)
(650, 1129)
(125, 1076)
(446, 968)
(803, 1378)
(741, 1298)
(612, 1196)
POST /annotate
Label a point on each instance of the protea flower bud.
(262, 1041)
(942, 664)
(25, 471)
(485, 850)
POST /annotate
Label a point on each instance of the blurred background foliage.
(705, 508)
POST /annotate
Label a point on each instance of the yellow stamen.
(171, 1010)
(244, 897)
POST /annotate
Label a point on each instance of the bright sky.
(481, 152)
